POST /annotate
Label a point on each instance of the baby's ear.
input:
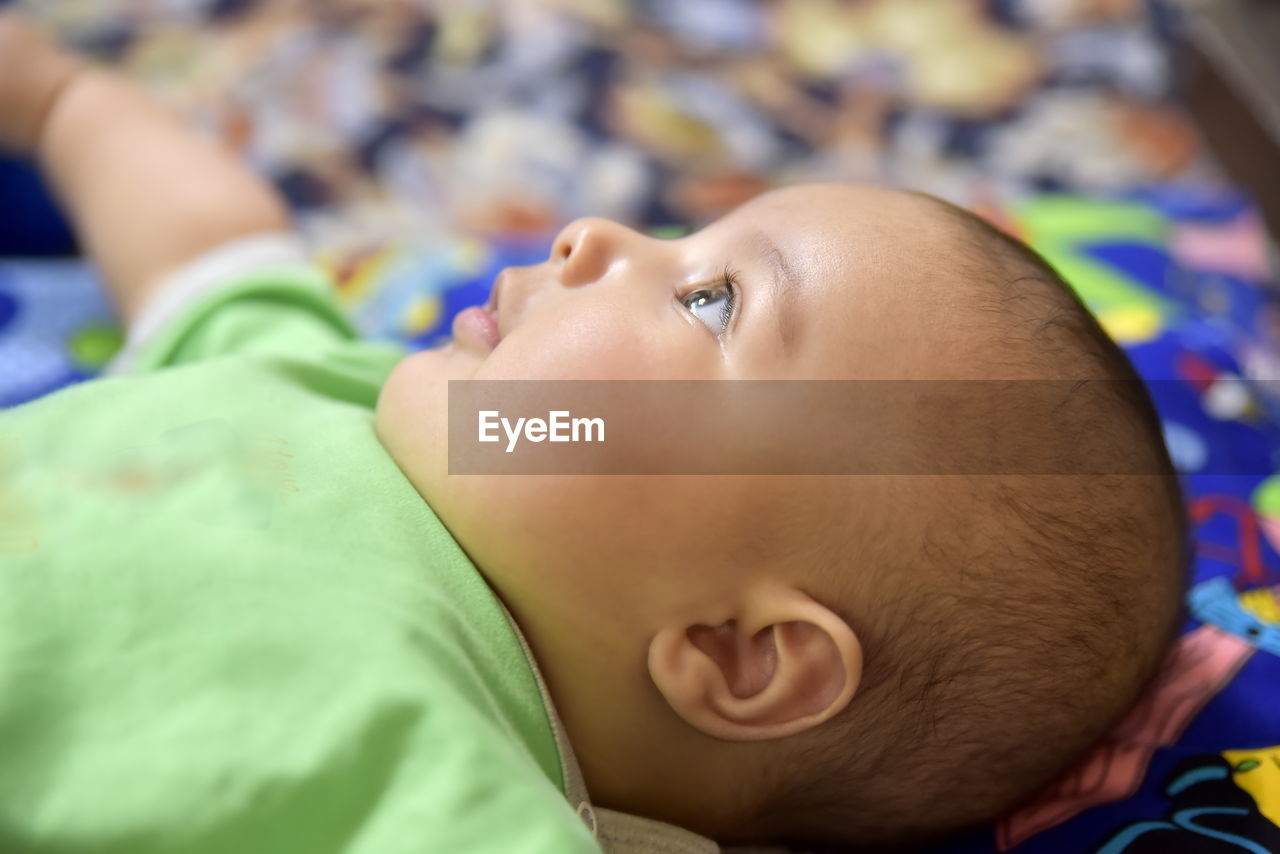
(782, 664)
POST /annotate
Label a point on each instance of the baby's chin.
(438, 364)
(411, 416)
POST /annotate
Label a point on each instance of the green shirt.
(228, 623)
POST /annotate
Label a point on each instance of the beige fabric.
(621, 833)
(618, 832)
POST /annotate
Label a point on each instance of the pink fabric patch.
(1200, 666)
(1271, 530)
(1238, 247)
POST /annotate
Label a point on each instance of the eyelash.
(729, 281)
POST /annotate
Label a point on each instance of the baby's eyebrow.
(783, 285)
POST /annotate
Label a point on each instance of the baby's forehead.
(852, 237)
(857, 205)
(873, 276)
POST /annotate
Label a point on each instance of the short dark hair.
(1014, 649)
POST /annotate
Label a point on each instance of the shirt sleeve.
(255, 295)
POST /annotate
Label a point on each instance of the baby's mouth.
(477, 325)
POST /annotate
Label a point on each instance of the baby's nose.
(585, 248)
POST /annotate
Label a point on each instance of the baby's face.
(821, 274)
(813, 282)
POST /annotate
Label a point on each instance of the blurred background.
(510, 117)
(425, 145)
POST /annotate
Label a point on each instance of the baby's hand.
(33, 70)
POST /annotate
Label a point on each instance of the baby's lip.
(478, 326)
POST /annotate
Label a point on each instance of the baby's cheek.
(588, 344)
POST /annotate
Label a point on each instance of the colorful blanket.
(399, 135)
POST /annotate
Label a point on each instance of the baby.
(247, 608)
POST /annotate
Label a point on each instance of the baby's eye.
(714, 305)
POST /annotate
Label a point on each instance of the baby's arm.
(144, 193)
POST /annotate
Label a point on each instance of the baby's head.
(857, 659)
